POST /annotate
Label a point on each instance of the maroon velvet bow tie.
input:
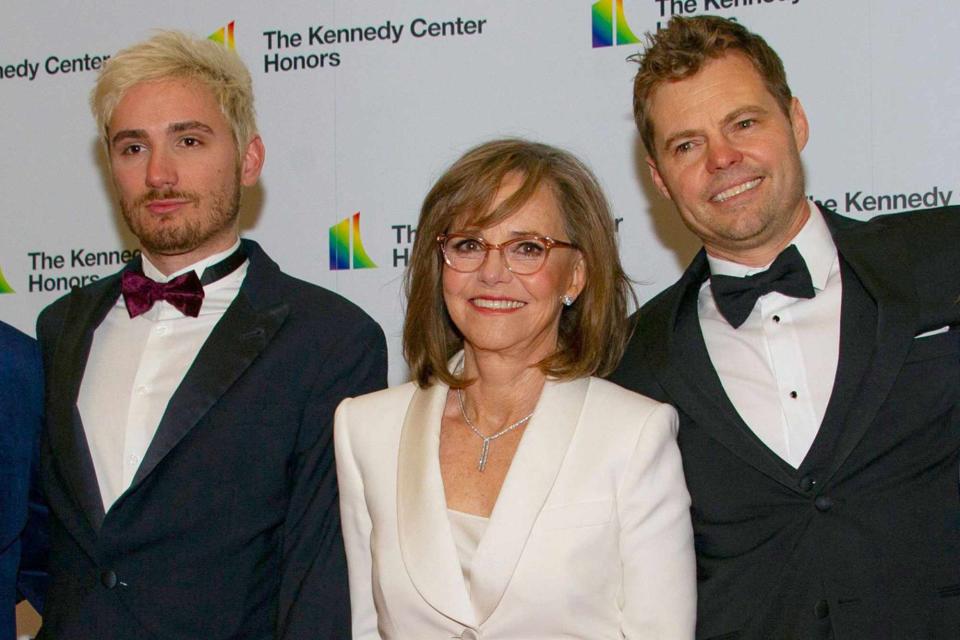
(140, 293)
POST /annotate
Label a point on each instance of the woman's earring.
(566, 300)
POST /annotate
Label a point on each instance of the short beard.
(191, 232)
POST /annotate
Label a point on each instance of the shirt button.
(823, 503)
(776, 319)
(821, 609)
(793, 394)
(142, 390)
(133, 461)
(162, 330)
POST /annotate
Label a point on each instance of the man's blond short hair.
(176, 55)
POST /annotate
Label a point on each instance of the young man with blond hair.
(188, 457)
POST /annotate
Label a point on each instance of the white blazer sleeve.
(656, 541)
(357, 526)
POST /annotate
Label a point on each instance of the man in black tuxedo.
(813, 361)
(188, 457)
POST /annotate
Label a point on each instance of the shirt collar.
(153, 273)
(814, 243)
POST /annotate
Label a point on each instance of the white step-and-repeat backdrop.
(363, 103)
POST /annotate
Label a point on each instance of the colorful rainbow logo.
(605, 25)
(4, 285)
(224, 36)
(344, 240)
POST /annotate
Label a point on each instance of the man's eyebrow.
(189, 125)
(751, 108)
(132, 134)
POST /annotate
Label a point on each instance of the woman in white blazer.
(507, 493)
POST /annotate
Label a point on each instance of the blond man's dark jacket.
(231, 527)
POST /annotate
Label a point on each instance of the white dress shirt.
(779, 366)
(135, 365)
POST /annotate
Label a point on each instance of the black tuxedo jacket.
(863, 540)
(231, 527)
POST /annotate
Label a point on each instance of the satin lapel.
(235, 342)
(68, 440)
(525, 489)
(693, 385)
(426, 542)
(858, 334)
(869, 360)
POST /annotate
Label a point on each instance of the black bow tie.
(185, 292)
(736, 297)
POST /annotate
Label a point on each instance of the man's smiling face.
(729, 158)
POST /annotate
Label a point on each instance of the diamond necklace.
(485, 451)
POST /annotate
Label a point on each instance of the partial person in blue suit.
(23, 517)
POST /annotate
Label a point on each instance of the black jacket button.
(806, 483)
(823, 503)
(821, 609)
(108, 579)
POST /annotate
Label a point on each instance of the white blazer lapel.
(426, 541)
(525, 489)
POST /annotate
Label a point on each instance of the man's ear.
(251, 162)
(798, 121)
(657, 179)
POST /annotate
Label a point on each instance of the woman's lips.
(497, 304)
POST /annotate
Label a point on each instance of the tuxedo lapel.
(529, 480)
(238, 338)
(685, 372)
(426, 541)
(878, 322)
(246, 328)
(86, 310)
(858, 334)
